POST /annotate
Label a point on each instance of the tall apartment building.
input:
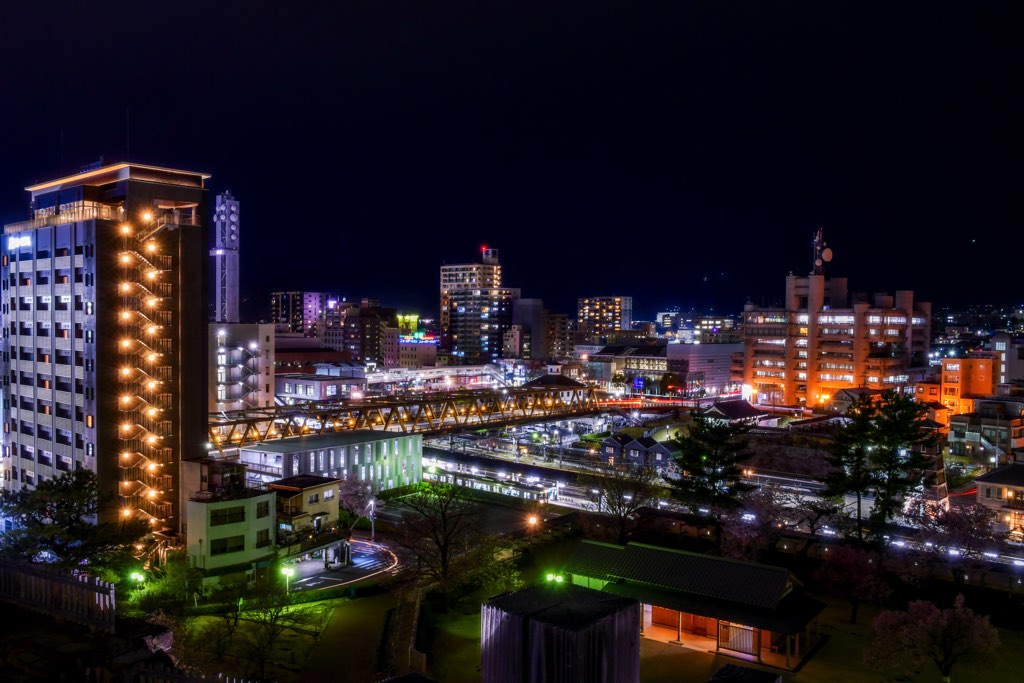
(104, 310)
(298, 311)
(225, 258)
(1009, 352)
(241, 369)
(598, 315)
(822, 340)
(476, 310)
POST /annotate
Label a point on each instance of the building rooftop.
(748, 583)
(121, 171)
(563, 605)
(306, 443)
(554, 381)
(734, 410)
(1010, 475)
(732, 590)
(299, 482)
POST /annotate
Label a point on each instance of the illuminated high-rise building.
(475, 309)
(225, 258)
(104, 318)
(599, 315)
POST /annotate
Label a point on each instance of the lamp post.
(531, 525)
(288, 573)
(373, 529)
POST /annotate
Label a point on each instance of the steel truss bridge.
(428, 414)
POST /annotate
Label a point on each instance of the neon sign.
(18, 241)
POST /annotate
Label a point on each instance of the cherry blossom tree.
(924, 633)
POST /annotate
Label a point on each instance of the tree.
(753, 532)
(355, 497)
(880, 450)
(270, 614)
(855, 574)
(621, 492)
(439, 524)
(56, 523)
(897, 457)
(813, 514)
(958, 536)
(924, 633)
(710, 453)
(852, 473)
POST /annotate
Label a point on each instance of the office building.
(1009, 351)
(226, 244)
(823, 340)
(476, 310)
(598, 315)
(417, 350)
(105, 314)
(241, 370)
(298, 311)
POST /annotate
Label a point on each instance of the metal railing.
(83, 213)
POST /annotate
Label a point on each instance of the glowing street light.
(288, 574)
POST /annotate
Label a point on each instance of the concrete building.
(1009, 352)
(226, 244)
(297, 387)
(298, 311)
(104, 310)
(241, 368)
(965, 379)
(231, 534)
(476, 309)
(417, 351)
(387, 459)
(993, 433)
(1002, 491)
(306, 502)
(598, 315)
(822, 340)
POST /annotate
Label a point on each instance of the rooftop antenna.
(822, 254)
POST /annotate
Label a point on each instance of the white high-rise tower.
(225, 258)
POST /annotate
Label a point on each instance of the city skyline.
(681, 155)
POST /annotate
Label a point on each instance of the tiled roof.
(1010, 475)
(735, 410)
(705, 576)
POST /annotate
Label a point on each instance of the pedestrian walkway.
(350, 644)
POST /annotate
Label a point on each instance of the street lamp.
(288, 573)
(373, 530)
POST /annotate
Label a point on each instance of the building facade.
(103, 288)
(822, 340)
(226, 243)
(298, 311)
(598, 315)
(386, 459)
(476, 310)
(241, 369)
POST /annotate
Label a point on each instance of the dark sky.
(679, 152)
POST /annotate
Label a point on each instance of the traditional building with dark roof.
(746, 608)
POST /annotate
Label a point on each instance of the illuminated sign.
(19, 241)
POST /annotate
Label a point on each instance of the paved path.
(347, 650)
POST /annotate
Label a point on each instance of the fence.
(79, 599)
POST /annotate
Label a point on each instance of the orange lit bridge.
(435, 413)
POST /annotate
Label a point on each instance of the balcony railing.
(81, 213)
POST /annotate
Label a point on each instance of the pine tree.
(710, 454)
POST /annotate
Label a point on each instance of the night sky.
(681, 152)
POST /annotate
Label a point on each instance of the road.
(368, 560)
